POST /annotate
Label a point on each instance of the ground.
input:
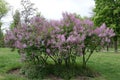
(105, 63)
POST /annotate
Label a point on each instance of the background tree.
(28, 10)
(3, 8)
(108, 12)
(16, 20)
(3, 11)
(1, 36)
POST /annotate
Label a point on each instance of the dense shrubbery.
(61, 41)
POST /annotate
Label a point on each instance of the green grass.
(107, 64)
(9, 60)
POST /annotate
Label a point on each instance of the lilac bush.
(61, 40)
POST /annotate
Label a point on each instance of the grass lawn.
(9, 60)
(107, 64)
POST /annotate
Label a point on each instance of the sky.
(52, 9)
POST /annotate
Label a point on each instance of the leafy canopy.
(3, 8)
(108, 12)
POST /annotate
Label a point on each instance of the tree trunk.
(84, 62)
(115, 44)
(107, 48)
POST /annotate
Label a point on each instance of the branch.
(91, 52)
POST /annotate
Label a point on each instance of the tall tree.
(3, 11)
(3, 8)
(28, 10)
(16, 20)
(108, 12)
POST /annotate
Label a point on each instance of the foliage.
(3, 11)
(60, 72)
(108, 12)
(61, 41)
(1, 38)
(3, 8)
(16, 20)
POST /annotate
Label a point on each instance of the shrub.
(60, 40)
